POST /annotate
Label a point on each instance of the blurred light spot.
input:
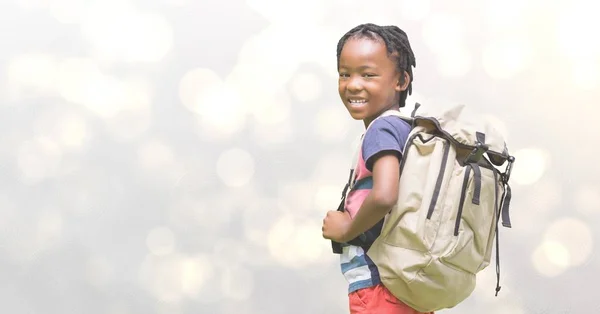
(550, 259)
(155, 155)
(290, 12)
(38, 159)
(327, 198)
(130, 36)
(263, 68)
(67, 11)
(235, 167)
(332, 123)
(442, 32)
(69, 129)
(503, 59)
(530, 165)
(309, 242)
(587, 199)
(195, 271)
(80, 81)
(306, 87)
(575, 236)
(98, 272)
(585, 73)
(196, 83)
(272, 110)
(222, 112)
(237, 283)
(31, 73)
(73, 130)
(257, 218)
(161, 241)
(294, 244)
(279, 241)
(557, 253)
(415, 10)
(172, 277)
(577, 23)
(454, 61)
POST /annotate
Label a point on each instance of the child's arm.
(382, 149)
(382, 197)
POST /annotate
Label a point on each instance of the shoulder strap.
(354, 165)
(335, 246)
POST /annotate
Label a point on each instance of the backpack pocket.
(474, 210)
(425, 173)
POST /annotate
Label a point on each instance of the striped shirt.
(387, 134)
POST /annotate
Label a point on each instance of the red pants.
(378, 300)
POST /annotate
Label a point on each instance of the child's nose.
(355, 84)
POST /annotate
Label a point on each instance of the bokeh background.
(178, 156)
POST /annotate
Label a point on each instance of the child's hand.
(336, 225)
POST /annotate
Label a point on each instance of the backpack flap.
(470, 138)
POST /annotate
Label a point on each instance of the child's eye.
(344, 75)
(369, 75)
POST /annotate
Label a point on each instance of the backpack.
(451, 197)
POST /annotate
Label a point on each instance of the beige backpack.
(451, 196)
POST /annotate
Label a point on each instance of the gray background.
(178, 156)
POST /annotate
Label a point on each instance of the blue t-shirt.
(385, 135)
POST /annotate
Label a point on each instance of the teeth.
(362, 101)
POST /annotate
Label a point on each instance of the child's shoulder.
(389, 123)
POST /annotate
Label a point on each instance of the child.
(375, 75)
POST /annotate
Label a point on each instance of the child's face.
(368, 82)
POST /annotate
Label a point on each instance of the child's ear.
(403, 81)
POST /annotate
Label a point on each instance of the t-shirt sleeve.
(386, 135)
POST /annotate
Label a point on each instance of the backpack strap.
(502, 210)
(335, 246)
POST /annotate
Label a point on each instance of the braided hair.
(397, 46)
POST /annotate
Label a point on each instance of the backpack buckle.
(511, 160)
(477, 153)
